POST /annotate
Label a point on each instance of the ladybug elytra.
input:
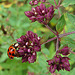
(12, 50)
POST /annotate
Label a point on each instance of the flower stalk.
(57, 44)
(51, 30)
(60, 36)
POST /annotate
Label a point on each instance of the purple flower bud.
(42, 7)
(41, 14)
(29, 13)
(33, 18)
(33, 2)
(32, 59)
(57, 59)
(58, 63)
(50, 61)
(29, 44)
(50, 12)
(52, 68)
(38, 10)
(64, 51)
(40, 18)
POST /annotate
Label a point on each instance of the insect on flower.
(12, 51)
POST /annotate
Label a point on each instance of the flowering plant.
(30, 44)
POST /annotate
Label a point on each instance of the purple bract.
(58, 63)
(40, 14)
(64, 51)
(29, 45)
(33, 2)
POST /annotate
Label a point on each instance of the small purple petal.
(29, 45)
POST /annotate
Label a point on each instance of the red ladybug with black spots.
(12, 50)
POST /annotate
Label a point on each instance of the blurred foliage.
(14, 23)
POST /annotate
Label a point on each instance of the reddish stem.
(65, 34)
(50, 29)
(55, 3)
(61, 35)
(59, 12)
(50, 40)
(72, 52)
(57, 43)
(59, 3)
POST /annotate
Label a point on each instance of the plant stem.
(57, 7)
(72, 52)
(57, 43)
(55, 3)
(59, 12)
(61, 35)
(49, 40)
(50, 29)
(65, 34)
(59, 3)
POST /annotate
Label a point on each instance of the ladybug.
(12, 50)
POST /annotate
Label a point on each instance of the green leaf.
(71, 18)
(70, 24)
(3, 57)
(72, 58)
(66, 3)
(13, 67)
(51, 50)
(45, 50)
(68, 41)
(72, 72)
(61, 23)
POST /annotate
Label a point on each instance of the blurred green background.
(14, 24)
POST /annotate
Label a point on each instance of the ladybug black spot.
(9, 53)
(13, 54)
(8, 49)
(11, 57)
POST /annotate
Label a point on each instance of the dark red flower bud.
(40, 14)
(64, 51)
(29, 44)
(33, 2)
(58, 63)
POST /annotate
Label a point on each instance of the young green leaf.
(68, 2)
(61, 23)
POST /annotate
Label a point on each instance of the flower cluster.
(43, 0)
(29, 44)
(41, 14)
(35, 2)
(64, 51)
(58, 63)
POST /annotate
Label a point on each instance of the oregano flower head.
(29, 46)
(64, 51)
(33, 2)
(40, 14)
(58, 63)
